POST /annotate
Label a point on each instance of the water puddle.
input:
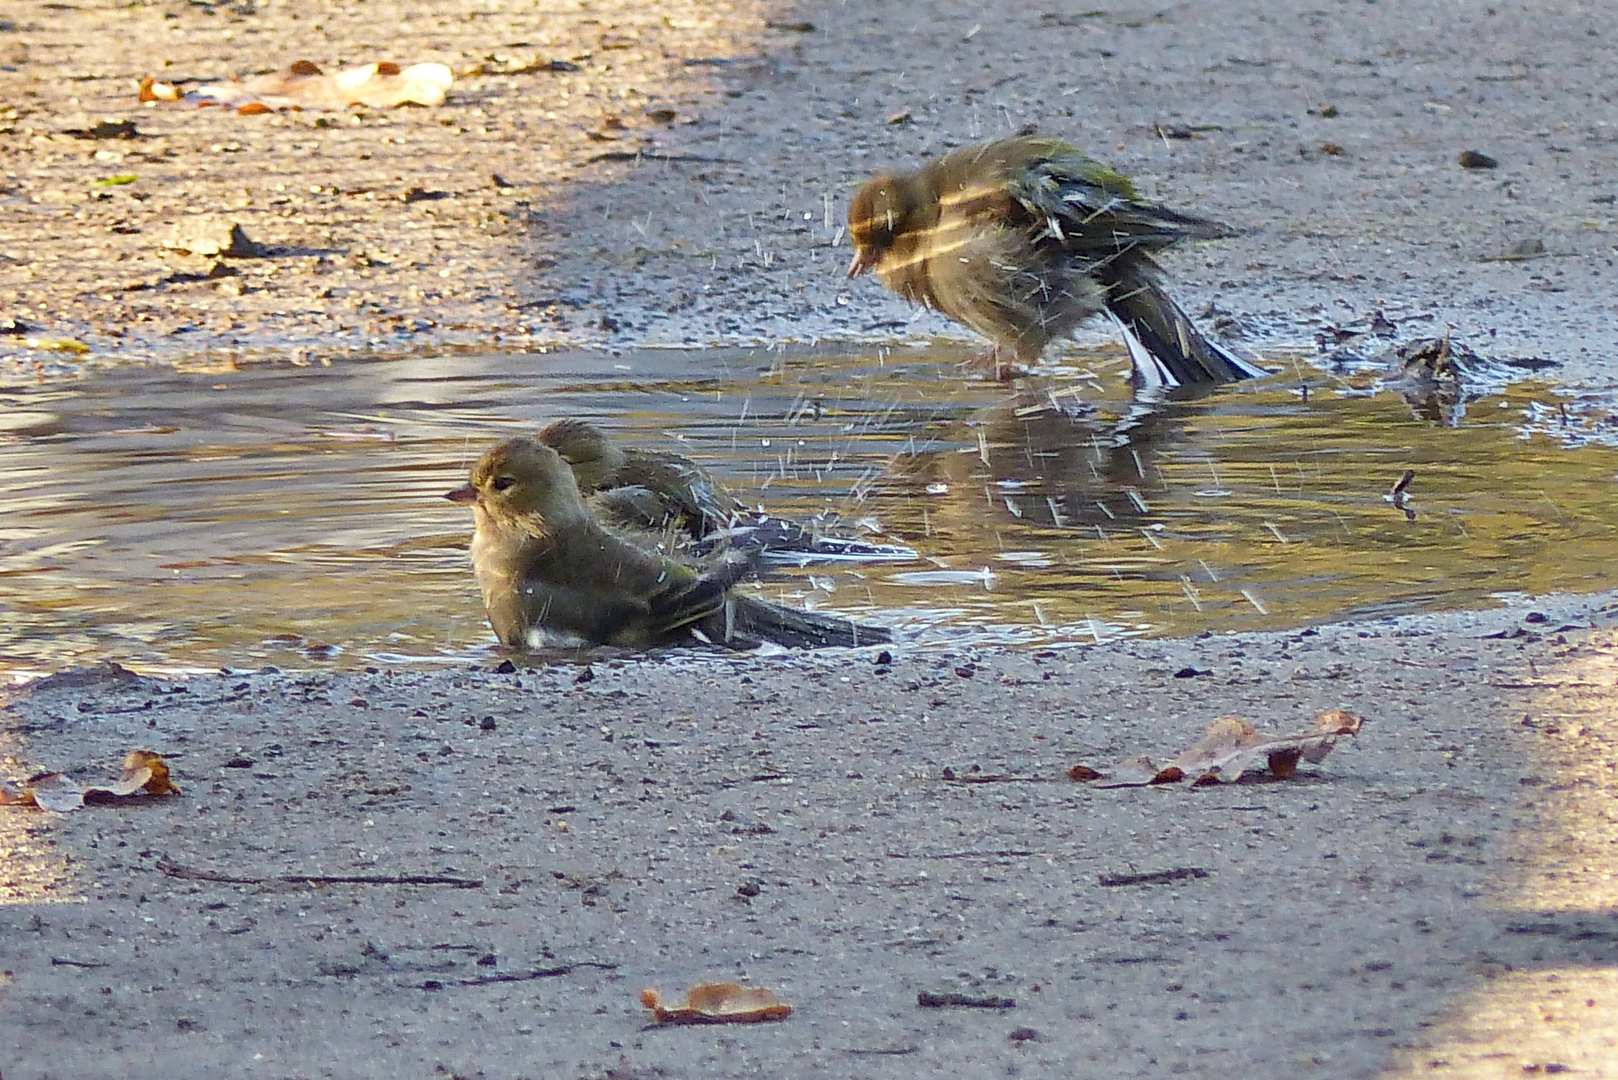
(288, 515)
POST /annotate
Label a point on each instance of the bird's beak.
(863, 261)
(465, 495)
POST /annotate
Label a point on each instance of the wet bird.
(550, 573)
(1024, 239)
(649, 493)
(635, 488)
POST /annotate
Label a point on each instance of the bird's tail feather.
(760, 620)
(1167, 349)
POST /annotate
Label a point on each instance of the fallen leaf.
(57, 793)
(718, 1003)
(144, 773)
(1229, 748)
(1138, 773)
(304, 86)
(1223, 741)
(210, 234)
(158, 781)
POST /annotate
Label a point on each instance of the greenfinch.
(653, 494)
(551, 574)
(639, 488)
(1024, 239)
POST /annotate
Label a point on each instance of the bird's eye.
(501, 483)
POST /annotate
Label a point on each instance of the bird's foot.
(995, 361)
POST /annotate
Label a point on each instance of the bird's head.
(594, 459)
(883, 209)
(522, 481)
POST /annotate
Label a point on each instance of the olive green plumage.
(633, 488)
(548, 569)
(1024, 239)
(669, 502)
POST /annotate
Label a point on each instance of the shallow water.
(292, 515)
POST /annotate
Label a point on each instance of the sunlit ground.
(31, 871)
(1557, 1016)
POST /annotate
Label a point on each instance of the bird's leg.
(1006, 370)
(995, 360)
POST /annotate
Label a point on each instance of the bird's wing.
(682, 598)
(1086, 208)
(691, 496)
(630, 507)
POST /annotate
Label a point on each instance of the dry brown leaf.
(304, 86)
(144, 772)
(1283, 763)
(718, 1003)
(1229, 748)
(159, 782)
(1137, 773)
(1226, 736)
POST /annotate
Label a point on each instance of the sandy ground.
(901, 828)
(1330, 137)
(1435, 899)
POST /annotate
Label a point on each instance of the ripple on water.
(292, 515)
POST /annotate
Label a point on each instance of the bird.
(660, 496)
(551, 574)
(637, 488)
(1025, 238)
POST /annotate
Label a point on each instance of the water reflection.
(292, 515)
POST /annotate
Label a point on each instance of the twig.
(950, 776)
(1155, 877)
(175, 871)
(1003, 853)
(61, 961)
(897, 1051)
(927, 999)
(518, 976)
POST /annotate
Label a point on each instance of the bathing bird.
(1024, 239)
(551, 574)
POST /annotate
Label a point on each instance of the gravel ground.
(901, 828)
(1435, 899)
(1330, 137)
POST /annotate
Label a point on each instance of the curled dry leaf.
(156, 780)
(304, 86)
(1229, 748)
(144, 773)
(1138, 773)
(718, 1003)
